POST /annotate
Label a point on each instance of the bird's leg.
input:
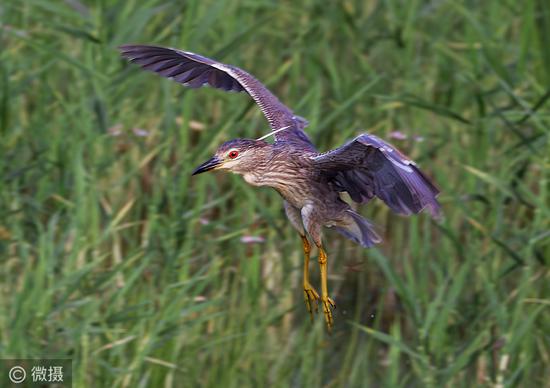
(328, 303)
(310, 295)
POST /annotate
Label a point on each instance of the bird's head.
(239, 156)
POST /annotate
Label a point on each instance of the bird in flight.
(309, 182)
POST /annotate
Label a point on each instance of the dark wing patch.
(367, 167)
(194, 71)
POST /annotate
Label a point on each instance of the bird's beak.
(210, 164)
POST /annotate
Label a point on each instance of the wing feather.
(194, 71)
(367, 167)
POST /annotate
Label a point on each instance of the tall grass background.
(111, 254)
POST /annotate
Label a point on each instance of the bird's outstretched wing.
(194, 71)
(367, 167)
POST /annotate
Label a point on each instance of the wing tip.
(433, 207)
(130, 48)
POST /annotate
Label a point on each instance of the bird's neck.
(278, 168)
(257, 175)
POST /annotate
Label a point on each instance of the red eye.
(233, 154)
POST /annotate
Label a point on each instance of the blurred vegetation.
(113, 255)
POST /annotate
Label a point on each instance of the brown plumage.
(309, 182)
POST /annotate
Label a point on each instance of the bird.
(311, 183)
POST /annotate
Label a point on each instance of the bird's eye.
(233, 154)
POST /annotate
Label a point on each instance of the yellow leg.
(328, 303)
(310, 295)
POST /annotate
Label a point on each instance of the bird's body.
(310, 182)
(292, 173)
(311, 197)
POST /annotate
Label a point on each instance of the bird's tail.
(358, 229)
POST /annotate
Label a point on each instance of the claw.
(311, 296)
(328, 305)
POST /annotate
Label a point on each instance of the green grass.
(113, 255)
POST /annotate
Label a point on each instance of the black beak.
(208, 165)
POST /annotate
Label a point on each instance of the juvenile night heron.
(309, 182)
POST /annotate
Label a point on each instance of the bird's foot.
(328, 305)
(311, 296)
